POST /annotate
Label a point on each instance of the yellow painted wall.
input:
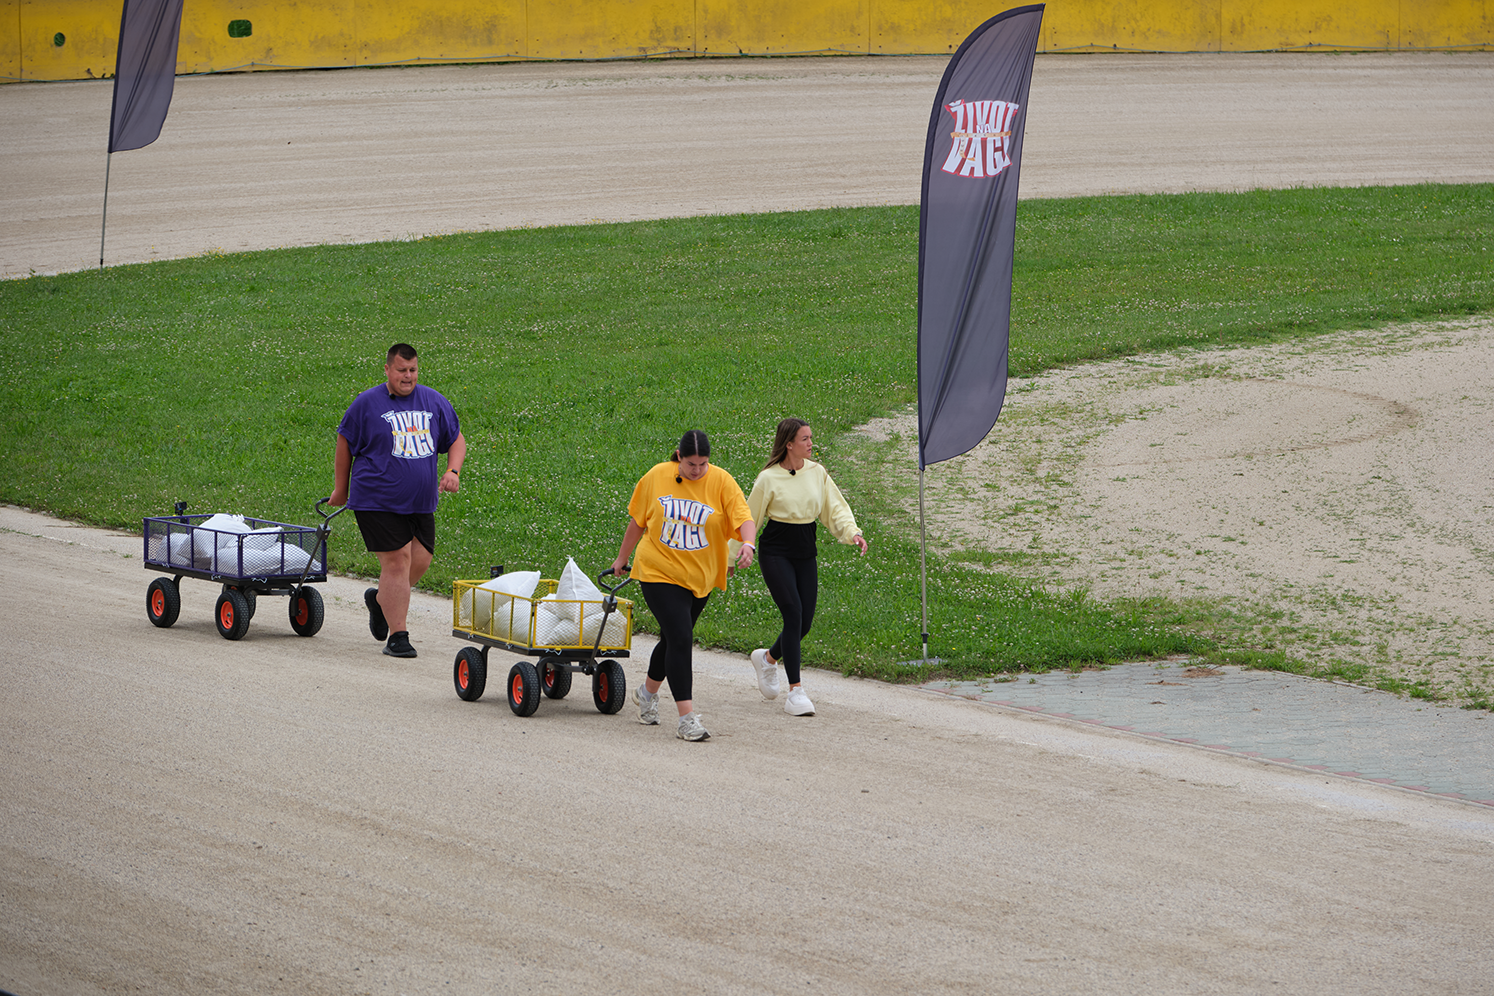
(782, 27)
(90, 31)
(337, 33)
(609, 29)
(1441, 23)
(1133, 25)
(10, 39)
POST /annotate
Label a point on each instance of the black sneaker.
(377, 625)
(399, 645)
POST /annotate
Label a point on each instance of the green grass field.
(577, 356)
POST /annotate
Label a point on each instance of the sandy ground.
(1333, 495)
(184, 814)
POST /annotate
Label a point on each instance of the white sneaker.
(767, 674)
(797, 703)
(690, 728)
(648, 706)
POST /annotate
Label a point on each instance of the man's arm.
(455, 457)
(342, 468)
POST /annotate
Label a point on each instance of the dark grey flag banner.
(144, 72)
(967, 228)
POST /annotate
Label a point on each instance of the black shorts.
(385, 532)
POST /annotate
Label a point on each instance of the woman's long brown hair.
(787, 430)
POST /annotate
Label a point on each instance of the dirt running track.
(256, 161)
(182, 814)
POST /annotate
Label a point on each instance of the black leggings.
(795, 586)
(676, 609)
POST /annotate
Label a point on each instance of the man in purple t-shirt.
(386, 471)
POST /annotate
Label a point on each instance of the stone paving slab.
(1283, 718)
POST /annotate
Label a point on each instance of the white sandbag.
(614, 635)
(488, 607)
(233, 532)
(264, 539)
(215, 542)
(551, 627)
(192, 548)
(282, 558)
(179, 549)
(204, 549)
(556, 624)
(574, 586)
(224, 523)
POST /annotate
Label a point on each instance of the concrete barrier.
(76, 39)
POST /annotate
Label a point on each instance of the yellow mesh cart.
(567, 635)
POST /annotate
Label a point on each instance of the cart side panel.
(273, 551)
(493, 614)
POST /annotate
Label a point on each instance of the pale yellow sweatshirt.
(804, 496)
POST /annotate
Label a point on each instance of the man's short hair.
(403, 350)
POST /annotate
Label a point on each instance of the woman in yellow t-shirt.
(684, 511)
(790, 495)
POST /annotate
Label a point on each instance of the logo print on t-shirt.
(412, 434)
(684, 523)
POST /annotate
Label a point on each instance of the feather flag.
(144, 72)
(967, 231)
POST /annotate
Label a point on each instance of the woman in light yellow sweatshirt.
(790, 495)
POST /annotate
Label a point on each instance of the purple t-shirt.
(394, 442)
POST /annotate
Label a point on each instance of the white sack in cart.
(574, 586)
(217, 537)
(213, 544)
(191, 548)
(266, 551)
(486, 608)
(575, 606)
(555, 626)
(178, 551)
(282, 558)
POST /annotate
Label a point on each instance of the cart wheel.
(163, 603)
(306, 611)
(251, 597)
(609, 687)
(470, 674)
(555, 677)
(232, 615)
(523, 689)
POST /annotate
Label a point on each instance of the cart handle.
(322, 532)
(325, 517)
(609, 604)
(612, 589)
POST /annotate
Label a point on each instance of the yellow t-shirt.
(686, 525)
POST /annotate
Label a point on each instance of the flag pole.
(923, 567)
(104, 230)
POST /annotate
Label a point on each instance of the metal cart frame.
(553, 672)
(241, 589)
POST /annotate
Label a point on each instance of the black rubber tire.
(306, 611)
(555, 677)
(523, 689)
(609, 687)
(469, 674)
(252, 597)
(232, 615)
(163, 602)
